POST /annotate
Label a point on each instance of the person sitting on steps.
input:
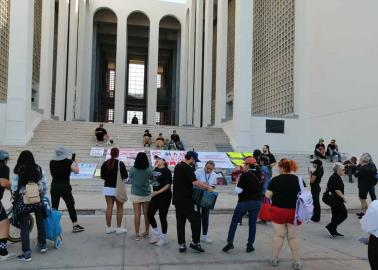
(147, 138)
(160, 141)
(175, 143)
(102, 135)
(320, 149)
(350, 167)
(333, 150)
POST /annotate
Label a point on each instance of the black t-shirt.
(366, 175)
(110, 176)
(161, 178)
(183, 178)
(175, 137)
(134, 120)
(332, 146)
(319, 145)
(335, 183)
(100, 133)
(251, 187)
(285, 188)
(4, 173)
(271, 157)
(146, 134)
(60, 173)
(318, 174)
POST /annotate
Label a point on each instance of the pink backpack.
(305, 207)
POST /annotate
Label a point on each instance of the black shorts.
(362, 193)
(3, 214)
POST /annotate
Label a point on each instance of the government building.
(277, 72)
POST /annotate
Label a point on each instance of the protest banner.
(221, 160)
(127, 156)
(86, 171)
(171, 157)
(97, 151)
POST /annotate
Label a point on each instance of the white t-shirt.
(210, 179)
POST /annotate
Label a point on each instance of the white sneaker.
(154, 238)
(110, 230)
(162, 241)
(7, 257)
(206, 239)
(121, 230)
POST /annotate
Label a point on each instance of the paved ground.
(93, 249)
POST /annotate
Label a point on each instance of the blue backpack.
(53, 228)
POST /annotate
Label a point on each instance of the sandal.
(136, 237)
(145, 235)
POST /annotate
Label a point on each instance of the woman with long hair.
(27, 172)
(283, 191)
(109, 172)
(140, 175)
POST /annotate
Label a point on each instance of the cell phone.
(73, 156)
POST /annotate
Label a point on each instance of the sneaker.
(23, 258)
(145, 235)
(206, 239)
(249, 249)
(7, 257)
(110, 230)
(274, 262)
(196, 247)
(228, 247)
(154, 239)
(360, 217)
(43, 248)
(162, 241)
(182, 248)
(338, 234)
(330, 232)
(77, 228)
(136, 237)
(120, 230)
(360, 214)
(297, 266)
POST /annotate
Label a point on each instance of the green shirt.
(140, 181)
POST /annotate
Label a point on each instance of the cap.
(321, 140)
(317, 162)
(249, 160)
(4, 155)
(157, 157)
(61, 153)
(194, 155)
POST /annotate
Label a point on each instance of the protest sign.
(97, 152)
(221, 160)
(171, 157)
(86, 171)
(126, 155)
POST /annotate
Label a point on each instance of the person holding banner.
(109, 173)
(208, 176)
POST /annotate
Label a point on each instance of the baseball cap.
(317, 162)
(194, 155)
(157, 157)
(249, 160)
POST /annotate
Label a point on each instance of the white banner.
(220, 159)
(171, 157)
(126, 155)
(97, 152)
(86, 171)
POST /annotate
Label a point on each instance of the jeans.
(160, 202)
(68, 199)
(372, 252)
(253, 208)
(372, 193)
(339, 215)
(315, 191)
(183, 213)
(205, 214)
(332, 153)
(24, 222)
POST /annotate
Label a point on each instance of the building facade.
(283, 73)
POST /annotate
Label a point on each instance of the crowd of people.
(155, 188)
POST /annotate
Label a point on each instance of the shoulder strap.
(300, 180)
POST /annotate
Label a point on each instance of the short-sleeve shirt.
(335, 183)
(331, 146)
(4, 173)
(175, 137)
(60, 172)
(110, 175)
(100, 133)
(208, 178)
(271, 157)
(285, 188)
(318, 173)
(251, 187)
(140, 181)
(319, 145)
(183, 178)
(161, 177)
(147, 135)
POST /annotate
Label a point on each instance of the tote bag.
(121, 194)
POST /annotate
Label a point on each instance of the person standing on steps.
(316, 175)
(350, 167)
(208, 176)
(183, 180)
(109, 173)
(134, 120)
(160, 201)
(61, 166)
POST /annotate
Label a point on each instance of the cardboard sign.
(97, 152)
(221, 160)
(126, 155)
(86, 171)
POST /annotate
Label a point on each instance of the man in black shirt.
(183, 181)
(333, 150)
(135, 120)
(175, 142)
(102, 135)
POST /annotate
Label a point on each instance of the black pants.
(184, 213)
(315, 191)
(160, 202)
(373, 252)
(373, 197)
(339, 215)
(67, 197)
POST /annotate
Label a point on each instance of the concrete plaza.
(93, 249)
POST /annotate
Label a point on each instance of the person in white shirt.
(208, 176)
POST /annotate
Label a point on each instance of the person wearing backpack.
(28, 186)
(335, 186)
(283, 191)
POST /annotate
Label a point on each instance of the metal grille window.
(37, 39)
(273, 57)
(4, 47)
(159, 81)
(110, 115)
(111, 83)
(158, 118)
(136, 79)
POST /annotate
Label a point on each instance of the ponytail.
(288, 165)
(114, 153)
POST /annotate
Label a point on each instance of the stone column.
(208, 63)
(153, 57)
(121, 62)
(242, 104)
(198, 64)
(183, 74)
(61, 59)
(221, 74)
(18, 113)
(190, 84)
(47, 57)
(72, 59)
